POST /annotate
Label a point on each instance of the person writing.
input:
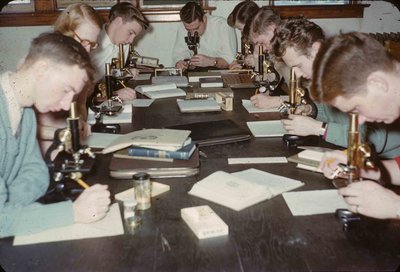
(55, 70)
(125, 23)
(217, 47)
(373, 93)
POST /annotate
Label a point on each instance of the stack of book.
(143, 153)
(159, 152)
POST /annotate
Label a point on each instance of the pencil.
(122, 83)
(82, 183)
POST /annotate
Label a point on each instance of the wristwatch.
(322, 130)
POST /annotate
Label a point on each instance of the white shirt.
(104, 53)
(218, 40)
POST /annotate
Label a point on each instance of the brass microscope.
(297, 99)
(71, 162)
(359, 156)
(267, 77)
(246, 50)
(106, 103)
(297, 96)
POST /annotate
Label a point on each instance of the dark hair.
(242, 12)
(191, 12)
(263, 18)
(59, 49)
(343, 64)
(296, 32)
(128, 13)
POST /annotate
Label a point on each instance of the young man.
(261, 31)
(354, 73)
(297, 42)
(240, 15)
(217, 47)
(53, 73)
(125, 23)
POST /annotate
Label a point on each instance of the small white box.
(204, 222)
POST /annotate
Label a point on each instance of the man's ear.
(377, 82)
(118, 21)
(315, 48)
(40, 69)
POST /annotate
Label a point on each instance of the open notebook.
(242, 189)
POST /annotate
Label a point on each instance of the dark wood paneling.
(46, 13)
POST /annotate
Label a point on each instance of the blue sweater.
(24, 178)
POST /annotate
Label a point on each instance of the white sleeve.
(180, 50)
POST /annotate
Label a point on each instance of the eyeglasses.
(84, 42)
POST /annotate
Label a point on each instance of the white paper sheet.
(111, 225)
(272, 128)
(252, 109)
(99, 140)
(156, 189)
(140, 103)
(314, 202)
(257, 160)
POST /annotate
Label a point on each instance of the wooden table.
(264, 237)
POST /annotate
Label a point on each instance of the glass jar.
(142, 190)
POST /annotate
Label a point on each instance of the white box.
(204, 222)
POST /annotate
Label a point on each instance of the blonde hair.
(73, 16)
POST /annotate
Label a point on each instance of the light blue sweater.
(24, 178)
(385, 138)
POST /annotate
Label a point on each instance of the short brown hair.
(191, 12)
(263, 19)
(343, 64)
(242, 12)
(128, 13)
(296, 32)
(60, 49)
(73, 16)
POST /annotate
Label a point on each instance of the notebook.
(125, 168)
(242, 189)
(215, 132)
(165, 90)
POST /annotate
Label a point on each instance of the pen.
(256, 92)
(122, 83)
(82, 183)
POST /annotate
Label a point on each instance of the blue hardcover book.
(181, 154)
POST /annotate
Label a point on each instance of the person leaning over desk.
(217, 47)
(81, 22)
(260, 31)
(125, 23)
(243, 12)
(374, 94)
(55, 70)
(296, 42)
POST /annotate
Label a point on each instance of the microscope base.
(293, 141)
(109, 128)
